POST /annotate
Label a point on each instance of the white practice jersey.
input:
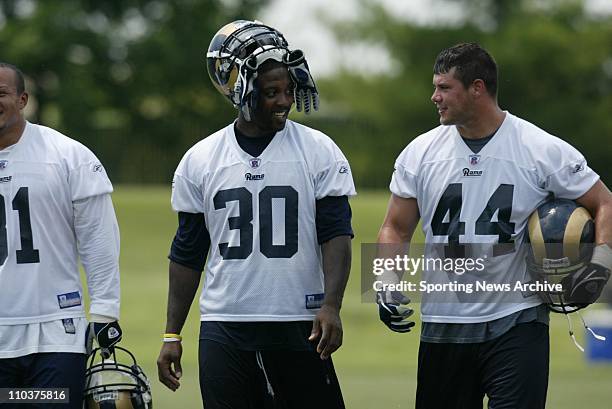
(485, 199)
(65, 335)
(42, 178)
(264, 262)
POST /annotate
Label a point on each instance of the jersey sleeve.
(97, 234)
(568, 176)
(334, 177)
(187, 195)
(191, 241)
(333, 218)
(87, 177)
(404, 178)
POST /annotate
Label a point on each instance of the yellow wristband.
(169, 337)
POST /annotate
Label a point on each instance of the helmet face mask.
(234, 55)
(121, 385)
(555, 300)
(560, 243)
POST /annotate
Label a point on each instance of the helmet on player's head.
(561, 237)
(110, 384)
(234, 55)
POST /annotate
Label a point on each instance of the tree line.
(128, 78)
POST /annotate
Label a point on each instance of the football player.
(473, 182)
(55, 208)
(264, 204)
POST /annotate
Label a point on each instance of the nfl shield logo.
(255, 162)
(3, 164)
(474, 159)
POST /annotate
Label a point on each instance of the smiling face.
(453, 100)
(275, 98)
(11, 104)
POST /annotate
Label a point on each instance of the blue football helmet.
(236, 52)
(234, 55)
(110, 384)
(561, 240)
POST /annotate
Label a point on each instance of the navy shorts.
(512, 370)
(270, 379)
(45, 370)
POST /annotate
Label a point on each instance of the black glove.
(107, 335)
(393, 311)
(306, 94)
(585, 285)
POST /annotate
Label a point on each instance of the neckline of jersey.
(265, 155)
(10, 150)
(499, 134)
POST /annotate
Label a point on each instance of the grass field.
(377, 368)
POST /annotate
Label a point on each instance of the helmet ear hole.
(251, 63)
(294, 57)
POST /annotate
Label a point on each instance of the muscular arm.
(183, 285)
(187, 258)
(336, 268)
(398, 227)
(589, 282)
(327, 325)
(400, 221)
(598, 201)
(393, 239)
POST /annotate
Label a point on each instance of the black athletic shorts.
(45, 370)
(232, 378)
(512, 370)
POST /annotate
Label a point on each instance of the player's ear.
(23, 100)
(478, 88)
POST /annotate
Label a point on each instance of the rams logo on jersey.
(467, 172)
(250, 176)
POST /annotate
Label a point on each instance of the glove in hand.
(107, 335)
(585, 285)
(393, 310)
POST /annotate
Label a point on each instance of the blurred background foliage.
(128, 78)
(555, 70)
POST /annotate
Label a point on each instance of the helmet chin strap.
(571, 331)
(246, 112)
(248, 109)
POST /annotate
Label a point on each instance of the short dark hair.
(19, 81)
(471, 62)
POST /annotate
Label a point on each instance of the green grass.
(377, 368)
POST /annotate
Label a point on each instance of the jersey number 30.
(243, 222)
